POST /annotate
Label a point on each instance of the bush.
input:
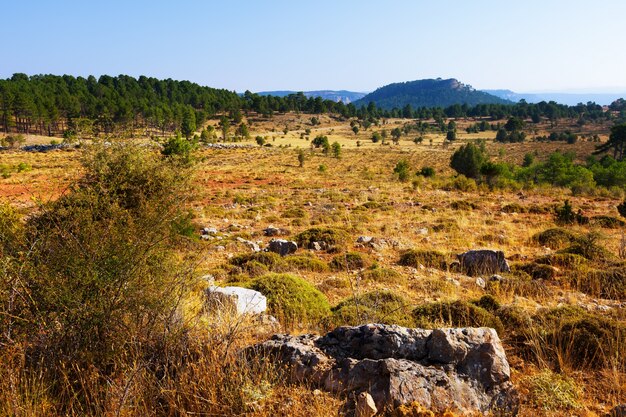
(383, 275)
(566, 215)
(271, 260)
(333, 238)
(305, 263)
(621, 208)
(555, 238)
(607, 222)
(463, 205)
(383, 307)
(427, 258)
(588, 248)
(563, 260)
(455, 314)
(468, 159)
(402, 170)
(102, 276)
(349, 261)
(180, 148)
(427, 172)
(291, 299)
(537, 271)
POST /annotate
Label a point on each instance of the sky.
(357, 45)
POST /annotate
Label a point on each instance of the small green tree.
(396, 134)
(180, 148)
(188, 125)
(336, 148)
(402, 170)
(355, 129)
(451, 135)
(320, 141)
(225, 125)
(260, 140)
(243, 131)
(468, 160)
(301, 158)
(376, 137)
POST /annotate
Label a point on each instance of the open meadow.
(560, 311)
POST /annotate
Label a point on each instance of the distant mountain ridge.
(344, 96)
(571, 99)
(428, 93)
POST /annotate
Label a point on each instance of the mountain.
(571, 99)
(342, 95)
(428, 93)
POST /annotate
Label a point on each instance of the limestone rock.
(462, 370)
(365, 406)
(282, 247)
(235, 300)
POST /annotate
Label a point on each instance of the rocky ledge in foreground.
(464, 370)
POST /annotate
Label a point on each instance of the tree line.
(66, 105)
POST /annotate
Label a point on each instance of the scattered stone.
(275, 231)
(365, 406)
(480, 282)
(318, 246)
(235, 300)
(364, 239)
(483, 261)
(460, 370)
(496, 278)
(282, 247)
(220, 248)
(252, 245)
(209, 231)
(422, 231)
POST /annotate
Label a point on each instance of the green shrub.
(334, 238)
(551, 392)
(384, 275)
(589, 250)
(427, 172)
(270, 259)
(402, 170)
(607, 222)
(562, 260)
(468, 159)
(23, 167)
(456, 314)
(349, 261)
(294, 213)
(373, 307)
(566, 215)
(427, 258)
(555, 238)
(537, 271)
(463, 205)
(605, 283)
(292, 299)
(305, 263)
(488, 302)
(514, 208)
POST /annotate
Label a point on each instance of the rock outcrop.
(282, 247)
(463, 370)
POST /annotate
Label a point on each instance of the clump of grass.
(570, 261)
(551, 391)
(292, 299)
(427, 258)
(384, 275)
(445, 225)
(605, 283)
(555, 238)
(294, 213)
(607, 222)
(463, 205)
(271, 260)
(349, 261)
(536, 270)
(455, 313)
(304, 263)
(588, 247)
(373, 307)
(333, 238)
(514, 208)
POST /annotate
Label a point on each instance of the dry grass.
(242, 191)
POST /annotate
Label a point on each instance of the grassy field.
(242, 191)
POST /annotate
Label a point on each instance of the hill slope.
(341, 95)
(428, 93)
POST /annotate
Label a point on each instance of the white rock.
(242, 300)
(365, 406)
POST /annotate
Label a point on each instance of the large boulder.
(483, 262)
(282, 247)
(462, 370)
(235, 300)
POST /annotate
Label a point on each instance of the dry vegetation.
(560, 316)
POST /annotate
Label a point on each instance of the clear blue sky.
(359, 45)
